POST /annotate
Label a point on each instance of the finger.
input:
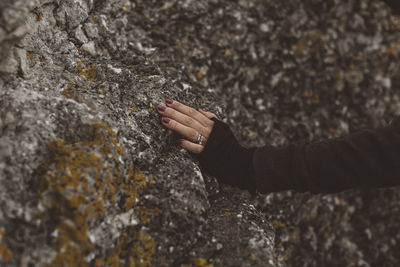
(184, 119)
(189, 111)
(209, 115)
(190, 146)
(183, 130)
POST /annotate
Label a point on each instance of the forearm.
(368, 158)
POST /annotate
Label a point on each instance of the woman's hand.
(188, 122)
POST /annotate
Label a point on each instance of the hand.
(188, 122)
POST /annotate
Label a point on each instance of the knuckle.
(176, 104)
(210, 125)
(171, 111)
(191, 111)
(188, 121)
(194, 135)
(172, 125)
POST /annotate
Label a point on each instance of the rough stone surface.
(89, 176)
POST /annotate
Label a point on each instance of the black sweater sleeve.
(367, 158)
(394, 4)
(224, 158)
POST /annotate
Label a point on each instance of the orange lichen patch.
(253, 256)
(315, 99)
(71, 92)
(308, 93)
(228, 52)
(389, 51)
(5, 253)
(38, 18)
(80, 183)
(135, 183)
(144, 213)
(94, 19)
(133, 109)
(277, 224)
(198, 262)
(150, 109)
(29, 56)
(135, 248)
(308, 43)
(100, 90)
(228, 213)
(293, 235)
(299, 49)
(313, 96)
(126, 8)
(276, 131)
(89, 72)
(200, 74)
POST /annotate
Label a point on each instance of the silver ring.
(200, 139)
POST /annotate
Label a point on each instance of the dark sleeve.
(367, 158)
(394, 4)
(228, 161)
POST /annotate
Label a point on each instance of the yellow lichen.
(228, 52)
(5, 253)
(133, 109)
(277, 224)
(228, 213)
(70, 92)
(197, 262)
(38, 18)
(138, 254)
(89, 72)
(81, 182)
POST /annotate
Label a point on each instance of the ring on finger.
(200, 139)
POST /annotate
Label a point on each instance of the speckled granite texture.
(89, 177)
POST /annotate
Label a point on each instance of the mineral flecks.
(88, 176)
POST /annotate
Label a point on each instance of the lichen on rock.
(89, 176)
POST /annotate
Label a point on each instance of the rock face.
(89, 176)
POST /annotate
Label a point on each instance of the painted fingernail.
(169, 101)
(180, 141)
(161, 108)
(165, 120)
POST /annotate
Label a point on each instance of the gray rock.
(88, 175)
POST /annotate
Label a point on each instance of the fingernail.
(202, 110)
(180, 141)
(161, 108)
(165, 120)
(169, 101)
